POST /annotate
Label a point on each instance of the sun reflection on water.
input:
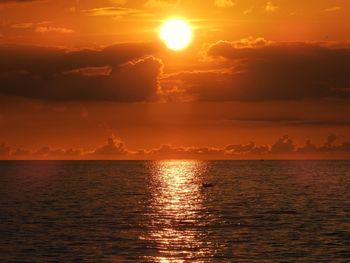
(177, 217)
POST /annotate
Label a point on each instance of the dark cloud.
(9, 2)
(290, 121)
(251, 148)
(172, 151)
(330, 145)
(283, 145)
(56, 153)
(16, 1)
(263, 71)
(344, 147)
(115, 148)
(21, 152)
(330, 140)
(121, 72)
(309, 147)
(4, 150)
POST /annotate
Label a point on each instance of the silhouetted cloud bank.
(121, 73)
(258, 70)
(115, 148)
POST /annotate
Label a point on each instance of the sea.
(175, 211)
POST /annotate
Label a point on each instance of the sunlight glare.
(176, 34)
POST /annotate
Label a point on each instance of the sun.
(176, 33)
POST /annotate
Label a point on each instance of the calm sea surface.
(159, 211)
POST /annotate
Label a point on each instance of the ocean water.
(159, 211)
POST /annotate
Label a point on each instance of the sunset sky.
(91, 79)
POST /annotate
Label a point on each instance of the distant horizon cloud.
(283, 148)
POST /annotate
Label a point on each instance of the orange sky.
(75, 73)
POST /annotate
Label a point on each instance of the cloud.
(118, 2)
(115, 148)
(309, 147)
(283, 145)
(331, 146)
(172, 151)
(290, 121)
(47, 29)
(333, 9)
(286, 145)
(42, 27)
(21, 152)
(330, 140)
(249, 42)
(259, 70)
(122, 72)
(17, 1)
(270, 7)
(159, 4)
(251, 148)
(225, 3)
(23, 25)
(113, 11)
(4, 150)
(248, 11)
(91, 71)
(47, 152)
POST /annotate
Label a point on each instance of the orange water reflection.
(176, 218)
